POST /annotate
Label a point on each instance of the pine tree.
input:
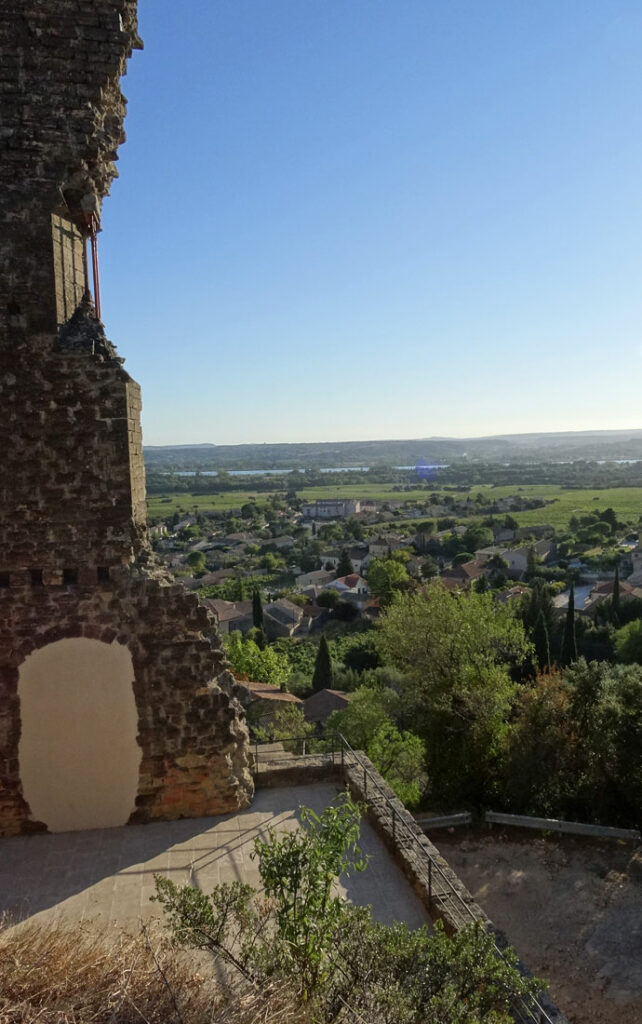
(345, 566)
(322, 678)
(569, 640)
(257, 610)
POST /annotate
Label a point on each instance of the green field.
(163, 505)
(626, 501)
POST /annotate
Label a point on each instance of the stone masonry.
(75, 558)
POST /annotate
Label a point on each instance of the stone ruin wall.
(75, 558)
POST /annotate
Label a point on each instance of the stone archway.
(78, 754)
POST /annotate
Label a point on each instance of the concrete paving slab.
(107, 875)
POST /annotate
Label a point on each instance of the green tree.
(323, 672)
(400, 757)
(257, 610)
(344, 566)
(196, 561)
(367, 712)
(476, 537)
(429, 567)
(538, 616)
(385, 577)
(288, 726)
(457, 654)
(569, 641)
(627, 642)
(615, 600)
(542, 644)
(250, 662)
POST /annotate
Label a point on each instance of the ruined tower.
(115, 699)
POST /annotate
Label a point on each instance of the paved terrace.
(107, 875)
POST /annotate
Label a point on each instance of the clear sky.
(352, 219)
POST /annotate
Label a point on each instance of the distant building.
(231, 615)
(264, 701)
(317, 578)
(337, 508)
(636, 557)
(464, 574)
(320, 705)
(379, 547)
(351, 588)
(358, 555)
(282, 618)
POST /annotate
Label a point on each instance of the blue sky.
(351, 219)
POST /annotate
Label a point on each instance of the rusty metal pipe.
(94, 264)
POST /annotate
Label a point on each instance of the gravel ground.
(572, 908)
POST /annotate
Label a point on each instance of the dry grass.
(54, 975)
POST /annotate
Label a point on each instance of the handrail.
(523, 1012)
(540, 1016)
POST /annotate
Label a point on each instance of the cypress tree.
(257, 610)
(345, 566)
(569, 640)
(615, 600)
(542, 646)
(322, 678)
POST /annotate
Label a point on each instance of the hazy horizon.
(383, 440)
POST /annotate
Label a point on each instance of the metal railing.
(442, 894)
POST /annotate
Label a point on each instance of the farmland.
(626, 501)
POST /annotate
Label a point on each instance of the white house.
(337, 508)
(359, 556)
(351, 588)
(317, 578)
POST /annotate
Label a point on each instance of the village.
(301, 569)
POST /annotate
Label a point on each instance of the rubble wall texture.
(75, 558)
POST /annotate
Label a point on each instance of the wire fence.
(443, 897)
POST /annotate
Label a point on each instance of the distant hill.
(553, 447)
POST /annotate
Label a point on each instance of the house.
(636, 558)
(231, 615)
(263, 701)
(184, 524)
(484, 555)
(281, 618)
(208, 580)
(517, 558)
(338, 508)
(313, 616)
(464, 574)
(351, 588)
(358, 555)
(320, 705)
(380, 547)
(281, 543)
(502, 534)
(317, 578)
(513, 593)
